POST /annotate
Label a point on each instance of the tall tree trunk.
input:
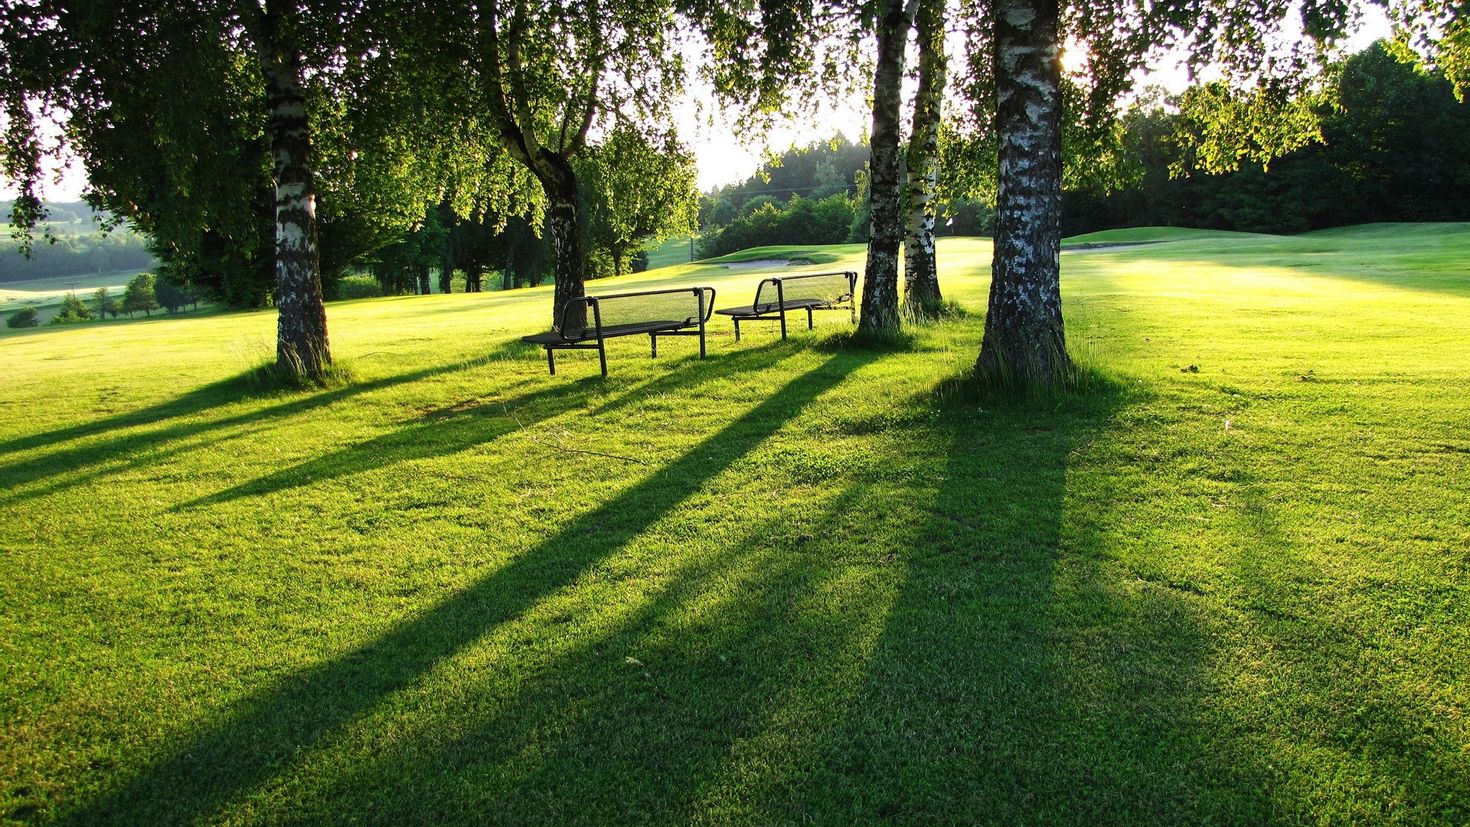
(421, 270)
(563, 219)
(301, 329)
(1025, 344)
(880, 284)
(921, 276)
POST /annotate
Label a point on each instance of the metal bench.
(776, 295)
(681, 312)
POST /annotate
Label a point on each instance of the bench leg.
(602, 356)
(737, 330)
(809, 318)
(701, 340)
(551, 360)
(783, 324)
(653, 345)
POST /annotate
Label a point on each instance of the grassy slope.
(817, 587)
(669, 253)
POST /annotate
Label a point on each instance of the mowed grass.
(668, 253)
(1227, 582)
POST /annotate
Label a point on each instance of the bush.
(802, 221)
(359, 286)
(72, 310)
(24, 317)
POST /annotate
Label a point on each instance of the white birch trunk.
(880, 282)
(301, 328)
(1025, 344)
(921, 275)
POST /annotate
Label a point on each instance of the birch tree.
(921, 278)
(1017, 87)
(892, 22)
(198, 121)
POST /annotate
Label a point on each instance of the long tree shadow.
(581, 730)
(928, 648)
(161, 428)
(262, 734)
(478, 422)
(1017, 679)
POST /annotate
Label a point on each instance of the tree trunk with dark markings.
(301, 330)
(563, 220)
(880, 283)
(921, 275)
(1025, 344)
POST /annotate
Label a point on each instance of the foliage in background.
(24, 317)
(72, 310)
(635, 190)
(801, 221)
(140, 295)
(1392, 149)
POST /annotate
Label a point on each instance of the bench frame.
(597, 340)
(777, 311)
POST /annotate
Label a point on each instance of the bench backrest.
(825, 289)
(680, 307)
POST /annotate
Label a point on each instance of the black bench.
(681, 312)
(776, 295)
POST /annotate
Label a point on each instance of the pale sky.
(726, 156)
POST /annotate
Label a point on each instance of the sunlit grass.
(1228, 582)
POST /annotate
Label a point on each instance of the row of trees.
(144, 294)
(185, 114)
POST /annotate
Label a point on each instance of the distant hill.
(71, 243)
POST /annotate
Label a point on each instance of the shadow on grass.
(262, 735)
(185, 418)
(940, 637)
(475, 423)
(1015, 681)
(914, 646)
(197, 403)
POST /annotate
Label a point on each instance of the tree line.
(1391, 148)
(144, 293)
(321, 131)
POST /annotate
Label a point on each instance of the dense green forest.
(1393, 148)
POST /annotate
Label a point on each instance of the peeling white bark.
(301, 328)
(880, 284)
(921, 278)
(1025, 341)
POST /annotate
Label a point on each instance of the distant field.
(46, 294)
(801, 582)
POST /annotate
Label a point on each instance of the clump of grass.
(270, 377)
(948, 310)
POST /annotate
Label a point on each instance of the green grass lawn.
(1229, 582)
(669, 253)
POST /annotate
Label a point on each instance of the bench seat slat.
(608, 331)
(764, 308)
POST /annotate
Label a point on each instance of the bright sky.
(725, 156)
